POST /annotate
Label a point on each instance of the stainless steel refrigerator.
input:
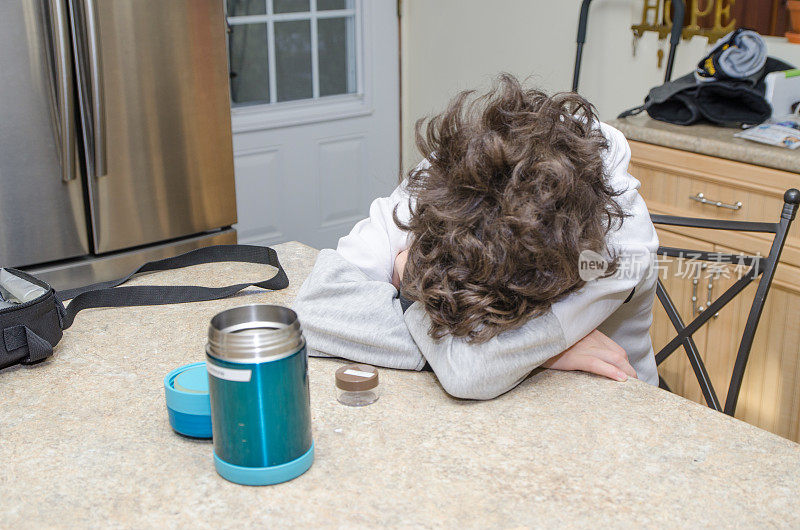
(115, 134)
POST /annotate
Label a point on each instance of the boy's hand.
(597, 354)
(399, 268)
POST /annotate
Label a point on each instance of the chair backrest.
(758, 266)
(678, 9)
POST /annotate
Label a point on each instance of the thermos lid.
(188, 404)
(357, 377)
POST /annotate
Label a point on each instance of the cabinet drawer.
(684, 195)
(675, 182)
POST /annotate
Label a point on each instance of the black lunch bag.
(30, 331)
(725, 102)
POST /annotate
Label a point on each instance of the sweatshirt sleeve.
(634, 241)
(374, 242)
(348, 306)
(484, 371)
(344, 313)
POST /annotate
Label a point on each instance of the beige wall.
(451, 45)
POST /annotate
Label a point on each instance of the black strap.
(105, 294)
(662, 93)
(630, 296)
(631, 112)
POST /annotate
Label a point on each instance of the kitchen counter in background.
(84, 441)
(707, 140)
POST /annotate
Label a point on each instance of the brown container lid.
(356, 377)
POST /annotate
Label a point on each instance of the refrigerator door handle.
(64, 91)
(97, 94)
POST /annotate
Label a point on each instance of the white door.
(315, 97)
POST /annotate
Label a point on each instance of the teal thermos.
(258, 387)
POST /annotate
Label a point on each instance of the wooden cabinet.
(770, 395)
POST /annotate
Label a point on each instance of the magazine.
(781, 132)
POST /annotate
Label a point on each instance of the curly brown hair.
(515, 190)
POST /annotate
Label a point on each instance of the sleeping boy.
(472, 266)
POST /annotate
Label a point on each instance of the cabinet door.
(770, 394)
(678, 276)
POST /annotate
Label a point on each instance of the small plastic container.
(357, 385)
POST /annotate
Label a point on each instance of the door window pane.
(237, 8)
(289, 6)
(336, 56)
(249, 63)
(293, 59)
(280, 50)
(327, 5)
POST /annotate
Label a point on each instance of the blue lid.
(188, 405)
(193, 380)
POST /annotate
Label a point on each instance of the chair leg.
(689, 345)
(754, 316)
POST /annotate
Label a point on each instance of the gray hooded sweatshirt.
(349, 308)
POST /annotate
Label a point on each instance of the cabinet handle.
(719, 204)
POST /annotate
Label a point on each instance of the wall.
(451, 45)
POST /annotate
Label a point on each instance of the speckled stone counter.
(708, 140)
(84, 442)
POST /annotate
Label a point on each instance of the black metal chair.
(758, 266)
(674, 39)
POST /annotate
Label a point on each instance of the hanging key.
(635, 42)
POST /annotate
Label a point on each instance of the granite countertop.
(707, 140)
(84, 441)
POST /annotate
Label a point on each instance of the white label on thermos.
(358, 373)
(229, 374)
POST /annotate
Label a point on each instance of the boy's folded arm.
(345, 314)
(486, 370)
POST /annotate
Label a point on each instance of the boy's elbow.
(469, 386)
